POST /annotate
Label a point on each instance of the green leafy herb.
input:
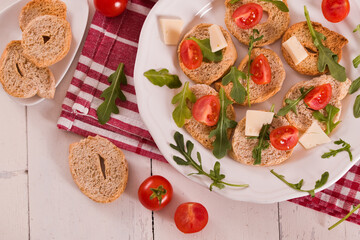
(347, 215)
(331, 111)
(298, 186)
(110, 95)
(326, 56)
(279, 4)
(345, 147)
(262, 144)
(355, 85)
(205, 47)
(222, 143)
(234, 1)
(291, 104)
(238, 92)
(214, 174)
(356, 61)
(357, 29)
(356, 108)
(182, 112)
(162, 77)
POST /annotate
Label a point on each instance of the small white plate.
(155, 104)
(77, 15)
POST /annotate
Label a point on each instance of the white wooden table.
(39, 200)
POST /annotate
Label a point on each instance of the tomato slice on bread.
(207, 110)
(248, 15)
(260, 70)
(284, 138)
(191, 217)
(319, 97)
(335, 10)
(190, 54)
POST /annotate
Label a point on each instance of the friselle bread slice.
(98, 168)
(272, 29)
(304, 117)
(209, 72)
(242, 146)
(260, 93)
(21, 78)
(46, 40)
(334, 41)
(36, 8)
(199, 131)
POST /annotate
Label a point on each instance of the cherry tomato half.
(260, 70)
(191, 217)
(206, 110)
(284, 138)
(155, 192)
(190, 54)
(110, 8)
(335, 10)
(319, 97)
(248, 15)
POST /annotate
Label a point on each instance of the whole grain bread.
(36, 8)
(199, 131)
(272, 29)
(98, 168)
(209, 72)
(21, 78)
(334, 41)
(304, 117)
(46, 40)
(242, 146)
(260, 93)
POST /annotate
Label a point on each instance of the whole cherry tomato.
(319, 97)
(260, 70)
(110, 8)
(248, 15)
(284, 138)
(190, 54)
(191, 217)
(335, 10)
(207, 110)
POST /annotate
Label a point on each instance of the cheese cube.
(217, 39)
(295, 50)
(171, 29)
(255, 120)
(314, 136)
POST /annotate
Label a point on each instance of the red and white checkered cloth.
(114, 40)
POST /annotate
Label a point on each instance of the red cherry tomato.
(206, 110)
(110, 8)
(248, 15)
(260, 70)
(191, 217)
(335, 10)
(155, 192)
(284, 138)
(190, 54)
(319, 97)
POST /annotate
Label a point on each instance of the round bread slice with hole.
(36, 8)
(259, 93)
(272, 29)
(243, 146)
(46, 40)
(99, 168)
(334, 41)
(199, 131)
(21, 78)
(209, 72)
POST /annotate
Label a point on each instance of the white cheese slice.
(255, 120)
(314, 136)
(295, 50)
(217, 39)
(171, 29)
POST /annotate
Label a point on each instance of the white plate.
(155, 105)
(77, 15)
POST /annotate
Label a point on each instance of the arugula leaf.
(238, 92)
(162, 77)
(110, 95)
(222, 143)
(356, 61)
(206, 50)
(262, 144)
(331, 111)
(326, 56)
(234, 1)
(319, 183)
(214, 174)
(182, 112)
(291, 104)
(279, 4)
(347, 215)
(355, 85)
(357, 29)
(356, 108)
(345, 147)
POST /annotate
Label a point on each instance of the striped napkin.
(114, 40)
